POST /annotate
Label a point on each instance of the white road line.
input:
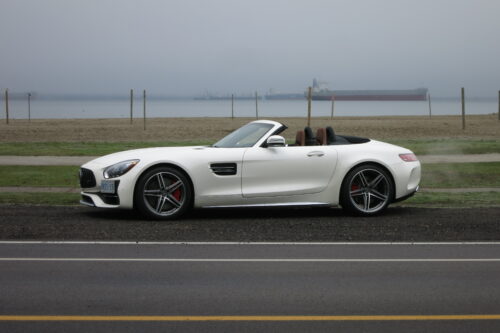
(362, 260)
(237, 243)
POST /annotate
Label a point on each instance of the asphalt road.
(283, 224)
(264, 287)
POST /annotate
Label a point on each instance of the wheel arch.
(170, 165)
(378, 164)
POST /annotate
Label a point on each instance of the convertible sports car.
(253, 166)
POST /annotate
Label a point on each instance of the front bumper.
(97, 199)
(93, 195)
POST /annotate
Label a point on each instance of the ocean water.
(71, 109)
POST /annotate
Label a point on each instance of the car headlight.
(119, 169)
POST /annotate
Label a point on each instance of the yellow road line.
(251, 318)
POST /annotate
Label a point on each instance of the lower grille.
(87, 178)
(86, 200)
(110, 199)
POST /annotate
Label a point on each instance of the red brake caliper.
(177, 194)
(354, 187)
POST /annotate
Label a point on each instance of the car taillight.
(408, 157)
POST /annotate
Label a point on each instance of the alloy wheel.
(164, 193)
(369, 191)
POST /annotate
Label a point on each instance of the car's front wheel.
(367, 190)
(163, 193)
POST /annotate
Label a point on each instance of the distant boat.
(419, 94)
(320, 93)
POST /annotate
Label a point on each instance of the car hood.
(142, 154)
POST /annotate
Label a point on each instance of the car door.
(217, 171)
(284, 171)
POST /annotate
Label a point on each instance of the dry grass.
(211, 129)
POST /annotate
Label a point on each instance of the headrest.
(310, 140)
(300, 138)
(321, 136)
(330, 135)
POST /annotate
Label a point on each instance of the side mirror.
(276, 141)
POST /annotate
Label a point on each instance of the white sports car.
(253, 166)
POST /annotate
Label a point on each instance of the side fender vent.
(224, 169)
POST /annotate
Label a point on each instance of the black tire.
(163, 193)
(366, 190)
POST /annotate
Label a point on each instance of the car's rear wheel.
(367, 190)
(163, 193)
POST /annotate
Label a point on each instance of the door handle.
(315, 153)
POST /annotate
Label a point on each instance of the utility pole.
(232, 106)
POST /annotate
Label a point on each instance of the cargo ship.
(321, 93)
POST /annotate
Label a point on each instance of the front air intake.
(87, 178)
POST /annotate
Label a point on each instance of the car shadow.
(243, 213)
(278, 212)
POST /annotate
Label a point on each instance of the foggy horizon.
(221, 47)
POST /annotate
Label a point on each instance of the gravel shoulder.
(19, 222)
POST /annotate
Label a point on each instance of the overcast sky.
(187, 47)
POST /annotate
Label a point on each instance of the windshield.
(245, 136)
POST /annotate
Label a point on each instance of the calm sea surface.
(18, 109)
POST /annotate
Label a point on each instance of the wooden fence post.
(430, 109)
(7, 106)
(29, 107)
(309, 97)
(256, 106)
(333, 106)
(131, 105)
(144, 107)
(463, 108)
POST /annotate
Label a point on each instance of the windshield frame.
(233, 139)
